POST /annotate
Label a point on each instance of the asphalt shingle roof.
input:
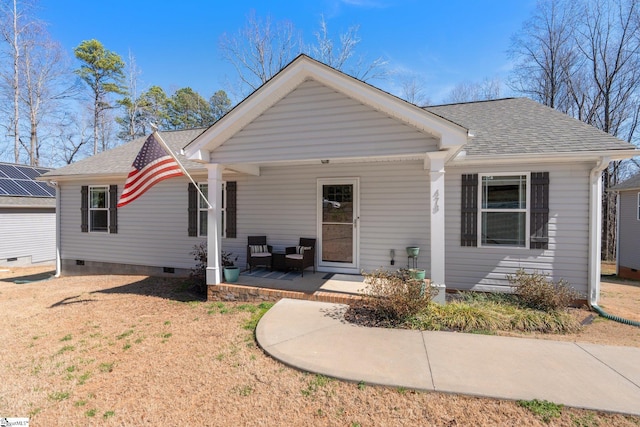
(632, 183)
(27, 202)
(523, 126)
(117, 161)
(503, 126)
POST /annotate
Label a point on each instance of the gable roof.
(304, 68)
(523, 126)
(118, 160)
(632, 183)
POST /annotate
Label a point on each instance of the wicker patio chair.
(301, 256)
(258, 252)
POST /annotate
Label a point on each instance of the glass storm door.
(338, 224)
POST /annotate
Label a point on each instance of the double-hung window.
(203, 212)
(504, 210)
(99, 208)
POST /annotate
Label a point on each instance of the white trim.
(464, 160)
(332, 266)
(637, 207)
(526, 210)
(90, 209)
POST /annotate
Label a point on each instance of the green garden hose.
(619, 319)
(24, 281)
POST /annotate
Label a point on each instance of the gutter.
(55, 185)
(595, 229)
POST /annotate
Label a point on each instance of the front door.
(338, 227)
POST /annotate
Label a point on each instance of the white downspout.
(55, 185)
(595, 229)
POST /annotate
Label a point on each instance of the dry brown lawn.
(132, 350)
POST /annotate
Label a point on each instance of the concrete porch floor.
(319, 286)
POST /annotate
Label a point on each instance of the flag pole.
(169, 151)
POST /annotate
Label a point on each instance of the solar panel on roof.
(33, 188)
(12, 172)
(29, 172)
(12, 188)
(2, 174)
(50, 191)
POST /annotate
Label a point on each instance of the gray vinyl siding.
(281, 203)
(485, 268)
(629, 236)
(27, 233)
(152, 230)
(315, 122)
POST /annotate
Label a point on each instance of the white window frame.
(638, 208)
(202, 207)
(526, 210)
(92, 209)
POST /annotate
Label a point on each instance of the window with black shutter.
(469, 209)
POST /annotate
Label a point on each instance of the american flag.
(152, 165)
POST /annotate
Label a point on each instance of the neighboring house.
(482, 188)
(27, 217)
(628, 259)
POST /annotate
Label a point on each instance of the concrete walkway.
(313, 336)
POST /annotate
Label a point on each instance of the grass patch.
(108, 414)
(124, 334)
(256, 315)
(91, 413)
(106, 367)
(84, 377)
(65, 349)
(67, 337)
(59, 396)
(315, 384)
(544, 409)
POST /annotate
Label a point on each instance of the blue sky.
(175, 43)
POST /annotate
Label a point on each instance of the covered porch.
(303, 141)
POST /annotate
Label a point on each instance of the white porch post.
(214, 224)
(434, 162)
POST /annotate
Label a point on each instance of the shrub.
(537, 291)
(199, 272)
(395, 296)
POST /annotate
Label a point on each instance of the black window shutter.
(84, 208)
(230, 210)
(193, 210)
(539, 221)
(469, 211)
(113, 209)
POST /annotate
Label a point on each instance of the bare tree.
(45, 81)
(262, 48)
(341, 55)
(412, 89)
(130, 123)
(480, 91)
(584, 59)
(14, 23)
(611, 45)
(546, 54)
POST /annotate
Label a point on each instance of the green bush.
(395, 296)
(537, 291)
